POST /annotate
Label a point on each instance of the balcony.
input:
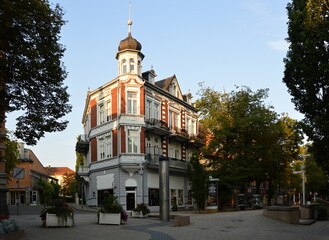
(154, 153)
(197, 140)
(156, 126)
(82, 146)
(178, 134)
(83, 170)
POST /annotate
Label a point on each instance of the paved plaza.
(224, 225)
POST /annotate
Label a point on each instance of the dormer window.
(124, 66)
(131, 65)
(173, 89)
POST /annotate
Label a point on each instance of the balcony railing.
(179, 134)
(83, 170)
(82, 146)
(159, 127)
(154, 153)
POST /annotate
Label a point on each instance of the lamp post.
(303, 174)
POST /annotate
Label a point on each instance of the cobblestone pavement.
(226, 225)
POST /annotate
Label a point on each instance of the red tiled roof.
(59, 170)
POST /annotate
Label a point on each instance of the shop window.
(154, 197)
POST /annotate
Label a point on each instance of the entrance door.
(130, 200)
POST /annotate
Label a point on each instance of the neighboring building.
(25, 191)
(59, 172)
(3, 178)
(131, 121)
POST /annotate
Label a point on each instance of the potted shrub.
(174, 207)
(140, 211)
(57, 214)
(111, 212)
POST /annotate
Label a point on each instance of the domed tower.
(129, 55)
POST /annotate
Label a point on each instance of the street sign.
(298, 172)
(19, 173)
(163, 159)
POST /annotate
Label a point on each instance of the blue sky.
(220, 43)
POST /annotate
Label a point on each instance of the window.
(148, 110)
(108, 111)
(101, 113)
(180, 197)
(193, 130)
(124, 66)
(154, 199)
(108, 146)
(132, 102)
(139, 68)
(105, 147)
(175, 120)
(131, 65)
(170, 119)
(187, 125)
(101, 149)
(156, 110)
(177, 154)
(132, 141)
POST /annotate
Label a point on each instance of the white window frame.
(132, 103)
(124, 66)
(131, 65)
(104, 148)
(157, 110)
(101, 113)
(133, 139)
(108, 109)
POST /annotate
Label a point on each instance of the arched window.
(124, 66)
(139, 65)
(131, 65)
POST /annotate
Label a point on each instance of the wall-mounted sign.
(19, 173)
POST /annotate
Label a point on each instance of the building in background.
(59, 173)
(131, 121)
(25, 190)
(3, 178)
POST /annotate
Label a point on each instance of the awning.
(16, 189)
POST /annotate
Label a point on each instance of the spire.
(130, 22)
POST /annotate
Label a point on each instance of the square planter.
(138, 214)
(109, 218)
(54, 221)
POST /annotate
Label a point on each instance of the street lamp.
(303, 174)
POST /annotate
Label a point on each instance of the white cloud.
(280, 45)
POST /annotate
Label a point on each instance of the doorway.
(130, 198)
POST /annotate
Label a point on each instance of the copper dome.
(129, 43)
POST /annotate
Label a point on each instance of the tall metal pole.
(303, 176)
(164, 188)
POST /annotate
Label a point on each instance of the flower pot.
(109, 218)
(135, 214)
(54, 221)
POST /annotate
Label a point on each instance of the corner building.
(129, 123)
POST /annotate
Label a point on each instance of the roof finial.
(130, 22)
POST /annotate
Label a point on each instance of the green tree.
(199, 179)
(11, 157)
(248, 141)
(68, 184)
(31, 71)
(306, 70)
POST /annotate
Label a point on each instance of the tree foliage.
(198, 178)
(248, 141)
(31, 71)
(307, 70)
(68, 184)
(48, 191)
(11, 156)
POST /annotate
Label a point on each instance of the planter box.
(109, 218)
(53, 221)
(138, 214)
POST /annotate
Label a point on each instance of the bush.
(58, 207)
(321, 212)
(142, 207)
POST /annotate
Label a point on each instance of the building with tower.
(129, 123)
